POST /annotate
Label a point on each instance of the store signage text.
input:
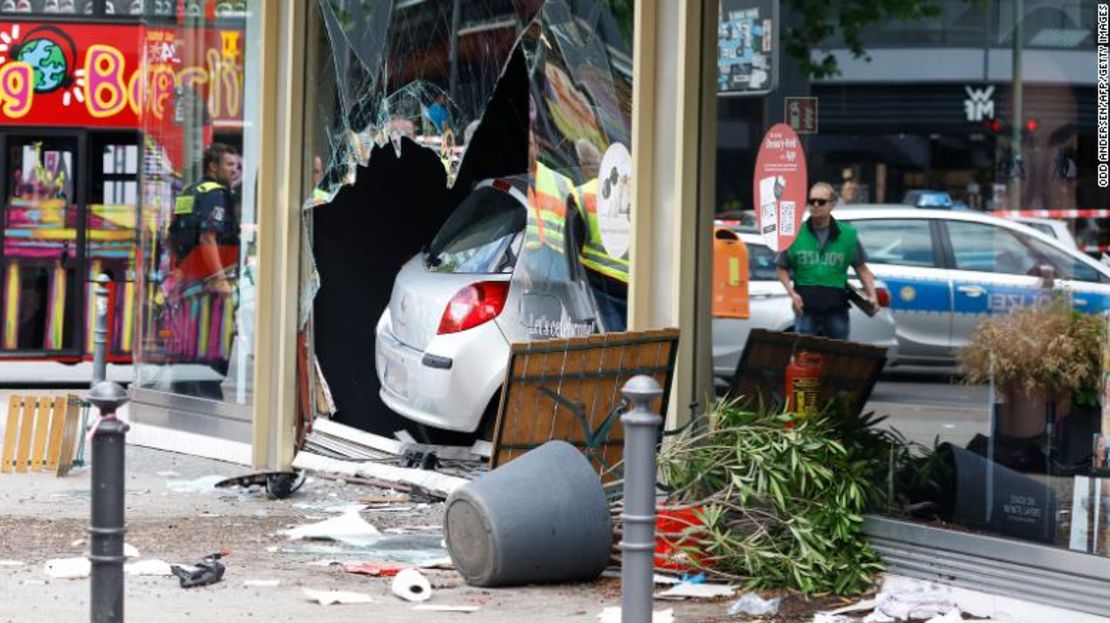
(979, 104)
(51, 76)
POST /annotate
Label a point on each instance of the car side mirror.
(1048, 276)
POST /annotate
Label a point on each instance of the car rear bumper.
(449, 383)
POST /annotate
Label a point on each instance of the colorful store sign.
(780, 186)
(90, 75)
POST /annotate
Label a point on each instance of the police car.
(947, 271)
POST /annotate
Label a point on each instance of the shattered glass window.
(415, 103)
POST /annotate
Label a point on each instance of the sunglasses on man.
(818, 201)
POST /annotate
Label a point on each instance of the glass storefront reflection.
(195, 204)
(1024, 463)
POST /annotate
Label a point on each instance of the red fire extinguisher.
(803, 383)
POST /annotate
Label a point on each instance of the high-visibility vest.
(546, 220)
(594, 255)
(547, 198)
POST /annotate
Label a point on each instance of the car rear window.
(480, 235)
(904, 242)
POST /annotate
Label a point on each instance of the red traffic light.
(1031, 125)
(996, 125)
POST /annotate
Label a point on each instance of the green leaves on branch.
(816, 22)
(781, 507)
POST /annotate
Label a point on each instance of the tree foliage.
(782, 506)
(818, 21)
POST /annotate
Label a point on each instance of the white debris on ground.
(327, 598)
(752, 604)
(348, 528)
(411, 585)
(702, 590)
(902, 599)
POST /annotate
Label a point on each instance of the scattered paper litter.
(348, 528)
(169, 473)
(384, 570)
(438, 608)
(78, 543)
(204, 484)
(130, 551)
(862, 606)
(612, 614)
(11, 563)
(261, 583)
(954, 616)
(68, 568)
(148, 567)
(752, 604)
(698, 591)
(914, 603)
(825, 617)
(324, 563)
(411, 585)
(327, 598)
(272, 549)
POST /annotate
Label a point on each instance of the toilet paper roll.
(411, 585)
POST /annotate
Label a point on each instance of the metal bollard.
(106, 528)
(641, 428)
(100, 333)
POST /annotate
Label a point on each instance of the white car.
(770, 308)
(481, 284)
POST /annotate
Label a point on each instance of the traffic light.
(999, 127)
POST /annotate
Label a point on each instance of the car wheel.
(488, 426)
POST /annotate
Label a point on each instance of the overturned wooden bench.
(570, 389)
(41, 434)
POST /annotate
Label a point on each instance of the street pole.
(1016, 167)
(106, 525)
(100, 333)
(641, 427)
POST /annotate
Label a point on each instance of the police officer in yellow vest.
(819, 259)
(204, 230)
(562, 208)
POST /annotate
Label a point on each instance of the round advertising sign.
(780, 186)
(614, 200)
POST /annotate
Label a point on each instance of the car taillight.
(471, 306)
(883, 295)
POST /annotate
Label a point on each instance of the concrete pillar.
(674, 123)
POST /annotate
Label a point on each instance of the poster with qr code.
(780, 171)
(786, 218)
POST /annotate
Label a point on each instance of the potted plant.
(1045, 362)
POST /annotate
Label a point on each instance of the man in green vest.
(814, 270)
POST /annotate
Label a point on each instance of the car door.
(905, 254)
(1085, 281)
(993, 271)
